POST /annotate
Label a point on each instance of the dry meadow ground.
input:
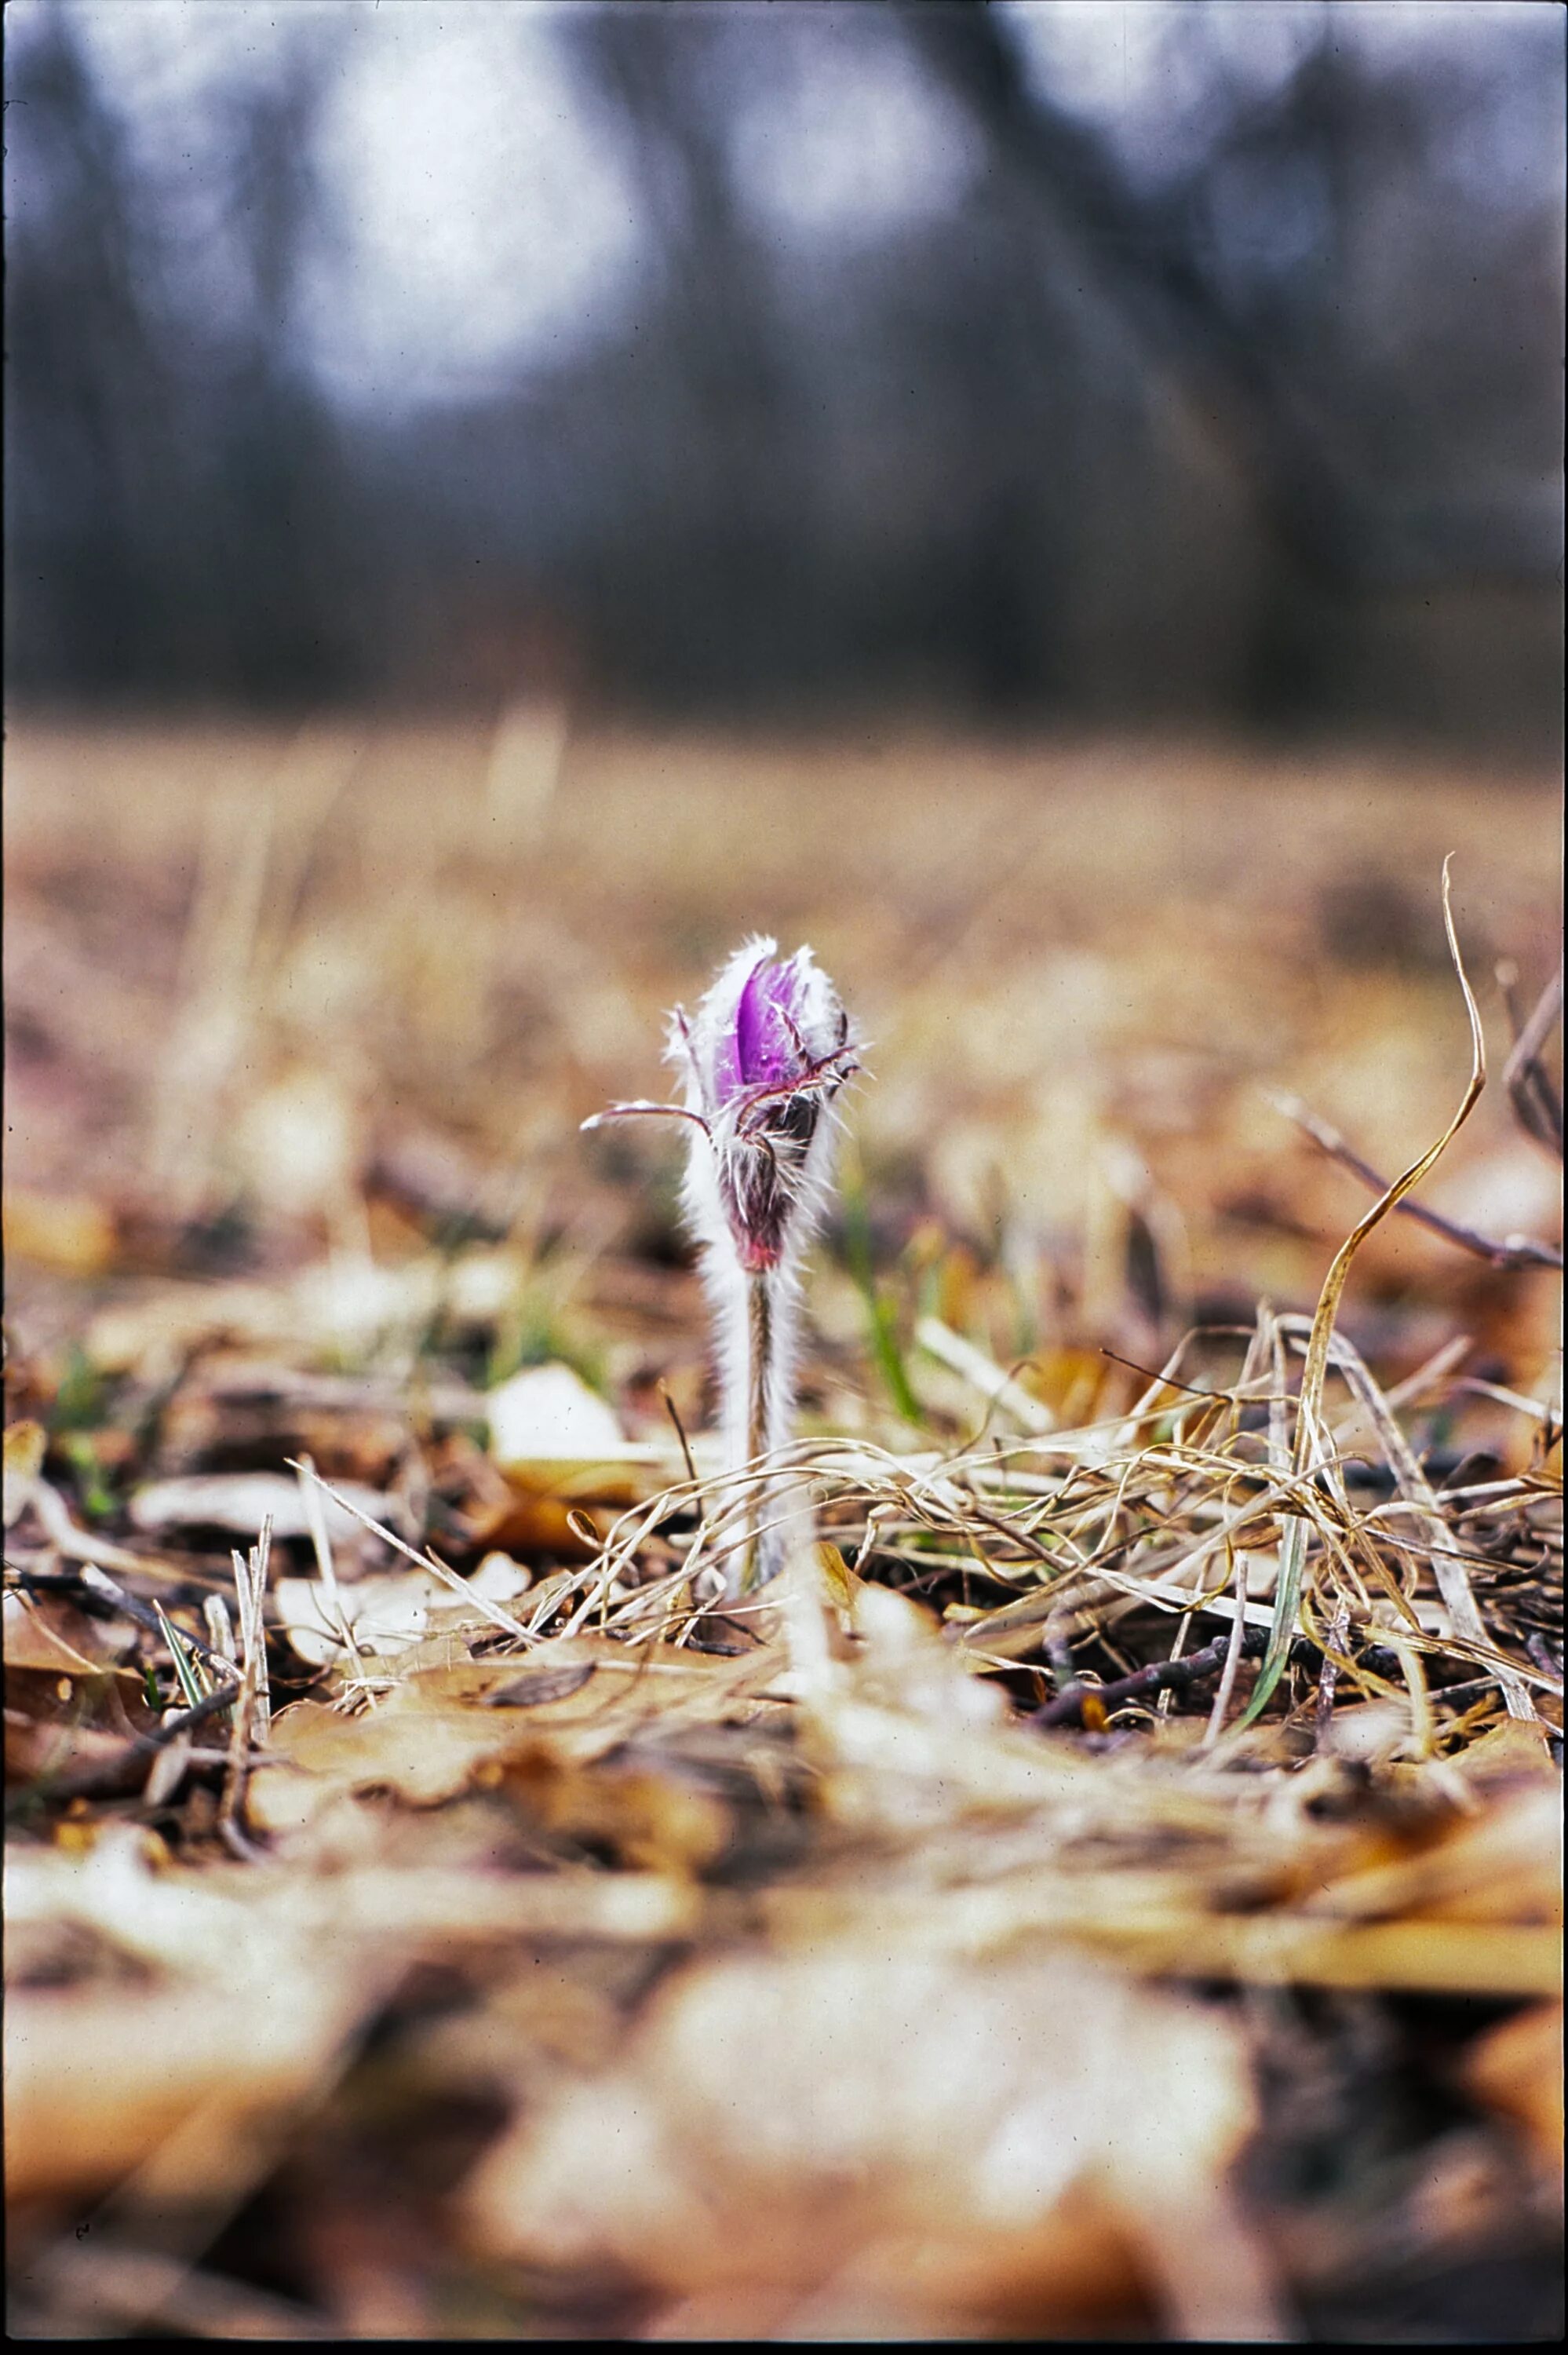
(575, 1960)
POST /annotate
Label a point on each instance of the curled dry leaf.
(561, 1449)
(936, 2143)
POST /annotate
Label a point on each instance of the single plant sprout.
(761, 1060)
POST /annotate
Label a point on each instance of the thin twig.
(1066, 1709)
(1517, 1251)
(673, 1412)
(101, 1590)
(1535, 1101)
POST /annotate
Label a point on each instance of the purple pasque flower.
(762, 1059)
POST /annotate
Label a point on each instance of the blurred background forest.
(1193, 364)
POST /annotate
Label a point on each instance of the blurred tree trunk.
(1142, 254)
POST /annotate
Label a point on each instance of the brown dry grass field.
(969, 1935)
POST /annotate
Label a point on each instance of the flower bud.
(762, 1059)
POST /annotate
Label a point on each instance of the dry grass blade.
(333, 1612)
(1447, 1565)
(252, 1713)
(449, 1578)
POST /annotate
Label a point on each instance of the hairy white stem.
(756, 1319)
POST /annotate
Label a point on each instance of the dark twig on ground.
(1177, 1676)
(103, 1597)
(110, 1773)
(1517, 1251)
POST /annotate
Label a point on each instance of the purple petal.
(766, 1054)
(726, 1077)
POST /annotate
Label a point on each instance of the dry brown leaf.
(46, 1633)
(26, 1444)
(237, 2015)
(38, 1748)
(648, 1816)
(1510, 1757)
(1517, 2068)
(411, 1744)
(942, 2137)
(659, 1686)
(95, 2083)
(1502, 1865)
(70, 1233)
(432, 1734)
